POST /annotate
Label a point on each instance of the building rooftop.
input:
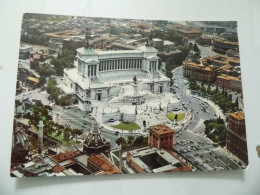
(58, 168)
(148, 160)
(200, 66)
(33, 79)
(238, 115)
(225, 77)
(101, 161)
(64, 156)
(221, 59)
(190, 31)
(226, 42)
(161, 129)
(226, 67)
(157, 39)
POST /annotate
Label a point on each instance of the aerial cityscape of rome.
(97, 96)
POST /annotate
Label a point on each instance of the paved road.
(202, 152)
(191, 141)
(80, 120)
(205, 51)
(72, 117)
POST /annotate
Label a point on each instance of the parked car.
(111, 120)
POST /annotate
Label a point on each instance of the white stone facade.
(100, 75)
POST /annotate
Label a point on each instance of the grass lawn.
(171, 116)
(63, 142)
(127, 126)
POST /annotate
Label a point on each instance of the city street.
(198, 149)
(191, 141)
(205, 51)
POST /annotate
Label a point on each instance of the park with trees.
(131, 142)
(215, 129)
(222, 98)
(57, 96)
(63, 61)
(63, 134)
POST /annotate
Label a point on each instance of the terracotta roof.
(185, 167)
(33, 79)
(201, 66)
(225, 77)
(190, 31)
(58, 168)
(133, 164)
(64, 156)
(226, 67)
(161, 129)
(222, 59)
(36, 57)
(226, 42)
(104, 164)
(238, 115)
(208, 69)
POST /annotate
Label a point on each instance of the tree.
(130, 140)
(195, 57)
(236, 103)
(196, 48)
(42, 80)
(140, 140)
(120, 141)
(35, 65)
(41, 58)
(230, 97)
(66, 134)
(17, 84)
(190, 46)
(208, 89)
(192, 79)
(17, 104)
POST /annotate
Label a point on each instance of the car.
(111, 120)
(84, 123)
(117, 133)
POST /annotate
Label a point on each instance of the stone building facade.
(236, 136)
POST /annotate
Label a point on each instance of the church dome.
(20, 140)
(95, 142)
(20, 146)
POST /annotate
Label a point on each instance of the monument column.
(40, 137)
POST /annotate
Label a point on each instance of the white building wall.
(112, 115)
